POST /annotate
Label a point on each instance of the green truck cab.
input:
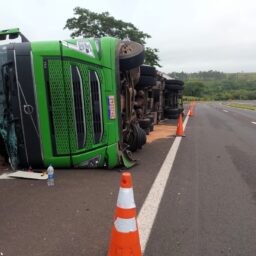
(66, 103)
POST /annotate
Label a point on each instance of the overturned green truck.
(68, 103)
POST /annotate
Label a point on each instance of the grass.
(242, 106)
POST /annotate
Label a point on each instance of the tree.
(151, 57)
(196, 89)
(91, 24)
(181, 76)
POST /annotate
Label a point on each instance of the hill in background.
(215, 85)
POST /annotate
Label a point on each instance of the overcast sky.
(191, 35)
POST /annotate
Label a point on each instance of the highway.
(208, 206)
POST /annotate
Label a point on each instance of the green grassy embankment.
(242, 106)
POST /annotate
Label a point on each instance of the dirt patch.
(161, 131)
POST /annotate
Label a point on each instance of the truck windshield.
(7, 124)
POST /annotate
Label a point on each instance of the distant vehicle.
(69, 103)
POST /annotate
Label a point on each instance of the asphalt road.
(208, 208)
(75, 216)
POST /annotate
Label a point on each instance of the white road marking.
(151, 204)
(253, 122)
(224, 110)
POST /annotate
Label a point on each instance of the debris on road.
(162, 130)
(28, 175)
(50, 172)
(5, 176)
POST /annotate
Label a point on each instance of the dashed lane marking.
(253, 122)
(224, 110)
(151, 204)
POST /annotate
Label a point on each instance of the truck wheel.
(144, 123)
(131, 55)
(147, 130)
(151, 117)
(146, 81)
(156, 94)
(174, 116)
(137, 138)
(175, 87)
(132, 140)
(170, 111)
(174, 81)
(147, 70)
(139, 144)
(144, 137)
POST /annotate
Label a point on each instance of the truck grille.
(96, 106)
(74, 106)
(78, 106)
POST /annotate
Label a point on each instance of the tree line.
(215, 85)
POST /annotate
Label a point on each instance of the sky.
(191, 35)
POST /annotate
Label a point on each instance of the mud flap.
(127, 159)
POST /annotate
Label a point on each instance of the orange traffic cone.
(125, 235)
(179, 131)
(190, 110)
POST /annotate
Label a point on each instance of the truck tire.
(172, 87)
(144, 123)
(156, 94)
(131, 55)
(174, 116)
(142, 138)
(147, 70)
(174, 81)
(146, 81)
(147, 130)
(137, 138)
(151, 118)
(171, 111)
(133, 139)
(151, 127)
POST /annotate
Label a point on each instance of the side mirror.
(12, 34)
